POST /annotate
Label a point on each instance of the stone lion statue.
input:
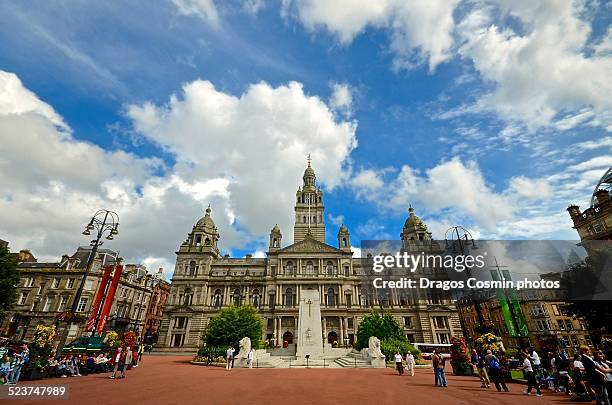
(374, 348)
(245, 347)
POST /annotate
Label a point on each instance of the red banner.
(95, 307)
(110, 296)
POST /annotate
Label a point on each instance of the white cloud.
(420, 31)
(204, 9)
(16, 99)
(540, 74)
(245, 155)
(342, 98)
(533, 189)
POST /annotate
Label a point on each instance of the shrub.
(231, 325)
(390, 347)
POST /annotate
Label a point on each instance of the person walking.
(117, 362)
(495, 371)
(127, 362)
(250, 356)
(478, 361)
(5, 369)
(410, 363)
(141, 349)
(529, 373)
(595, 376)
(230, 357)
(399, 363)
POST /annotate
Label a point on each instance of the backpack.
(494, 364)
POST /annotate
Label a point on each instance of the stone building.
(550, 327)
(204, 281)
(47, 289)
(155, 311)
(595, 222)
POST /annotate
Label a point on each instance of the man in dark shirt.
(594, 376)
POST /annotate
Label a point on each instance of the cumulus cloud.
(245, 155)
(342, 98)
(540, 74)
(420, 31)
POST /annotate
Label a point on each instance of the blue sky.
(491, 114)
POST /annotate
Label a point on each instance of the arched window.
(275, 242)
(256, 298)
(237, 297)
(288, 297)
(304, 219)
(364, 298)
(207, 241)
(309, 267)
(192, 268)
(347, 271)
(198, 240)
(218, 298)
(329, 268)
(188, 300)
(314, 219)
(344, 242)
(331, 297)
(289, 268)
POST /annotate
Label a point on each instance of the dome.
(605, 183)
(343, 229)
(206, 223)
(413, 221)
(276, 229)
(309, 172)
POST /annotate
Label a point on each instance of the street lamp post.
(462, 237)
(104, 222)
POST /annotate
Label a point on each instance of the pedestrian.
(5, 369)
(410, 363)
(230, 357)
(495, 371)
(141, 349)
(439, 363)
(478, 361)
(127, 362)
(250, 355)
(399, 363)
(527, 368)
(134, 357)
(16, 366)
(116, 362)
(594, 376)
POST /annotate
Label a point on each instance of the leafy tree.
(231, 325)
(384, 327)
(9, 278)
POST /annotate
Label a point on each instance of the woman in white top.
(399, 363)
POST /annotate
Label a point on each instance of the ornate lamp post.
(460, 238)
(103, 222)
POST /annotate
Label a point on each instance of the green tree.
(384, 327)
(9, 278)
(231, 325)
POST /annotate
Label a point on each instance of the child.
(5, 369)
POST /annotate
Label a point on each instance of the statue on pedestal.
(245, 348)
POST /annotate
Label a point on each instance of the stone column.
(341, 337)
(324, 328)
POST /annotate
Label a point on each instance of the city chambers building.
(204, 282)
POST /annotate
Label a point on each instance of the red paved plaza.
(171, 379)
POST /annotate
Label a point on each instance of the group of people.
(399, 363)
(490, 369)
(229, 357)
(11, 366)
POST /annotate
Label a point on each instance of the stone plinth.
(309, 325)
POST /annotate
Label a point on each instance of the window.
(62, 304)
(193, 269)
(443, 338)
(180, 322)
(135, 315)
(555, 309)
(40, 290)
(288, 297)
(217, 298)
(561, 324)
(289, 268)
(22, 298)
(82, 304)
(347, 298)
(329, 268)
(568, 324)
(178, 340)
(56, 283)
(331, 297)
(28, 282)
(543, 325)
(237, 298)
(347, 271)
(309, 267)
(48, 304)
(188, 299)
(538, 310)
(408, 321)
(441, 322)
(89, 285)
(70, 283)
(256, 298)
